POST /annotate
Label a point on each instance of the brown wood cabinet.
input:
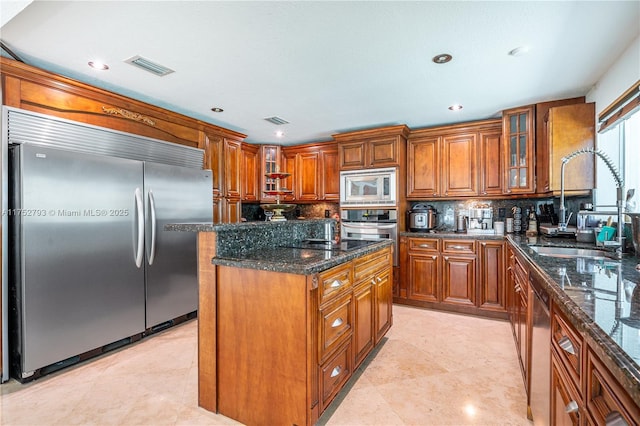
(305, 345)
(455, 161)
(518, 149)
(250, 172)
(460, 275)
(315, 172)
(491, 272)
(372, 148)
(568, 129)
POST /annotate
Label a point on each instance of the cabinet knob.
(336, 371)
(434, 257)
(379, 279)
(336, 284)
(572, 407)
(337, 323)
(518, 288)
(373, 281)
(614, 418)
(566, 345)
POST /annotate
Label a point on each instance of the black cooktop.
(344, 245)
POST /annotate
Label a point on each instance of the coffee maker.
(480, 218)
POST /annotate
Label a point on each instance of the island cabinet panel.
(260, 332)
(566, 405)
(363, 312)
(383, 314)
(336, 325)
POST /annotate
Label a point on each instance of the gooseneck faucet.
(562, 222)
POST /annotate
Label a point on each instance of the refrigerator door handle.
(139, 252)
(152, 205)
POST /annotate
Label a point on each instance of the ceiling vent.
(148, 65)
(277, 120)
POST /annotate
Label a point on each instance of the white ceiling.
(329, 67)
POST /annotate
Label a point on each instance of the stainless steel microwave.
(368, 188)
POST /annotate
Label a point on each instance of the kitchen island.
(282, 325)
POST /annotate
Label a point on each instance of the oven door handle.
(359, 225)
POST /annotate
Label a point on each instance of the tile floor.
(434, 368)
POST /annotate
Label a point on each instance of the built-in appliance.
(422, 217)
(91, 267)
(369, 188)
(540, 354)
(370, 225)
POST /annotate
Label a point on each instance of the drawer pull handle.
(566, 345)
(614, 418)
(459, 247)
(373, 281)
(336, 371)
(518, 288)
(337, 323)
(572, 407)
(424, 245)
(336, 284)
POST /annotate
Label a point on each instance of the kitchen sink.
(569, 252)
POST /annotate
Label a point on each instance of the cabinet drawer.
(607, 402)
(459, 246)
(568, 345)
(335, 280)
(336, 325)
(334, 374)
(367, 266)
(424, 244)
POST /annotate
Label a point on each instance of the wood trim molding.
(129, 115)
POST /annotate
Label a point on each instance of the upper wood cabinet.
(568, 129)
(455, 161)
(232, 168)
(518, 150)
(273, 160)
(315, 172)
(372, 148)
(250, 172)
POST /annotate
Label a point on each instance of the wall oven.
(368, 188)
(370, 225)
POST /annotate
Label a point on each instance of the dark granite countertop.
(600, 297)
(295, 260)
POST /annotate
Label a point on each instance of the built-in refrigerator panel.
(173, 194)
(76, 238)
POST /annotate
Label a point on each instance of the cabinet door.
(491, 286)
(250, 170)
(458, 280)
(423, 277)
(566, 405)
(232, 167)
(215, 149)
(231, 210)
(307, 176)
(270, 159)
(570, 128)
(352, 155)
(383, 303)
(330, 175)
(288, 164)
(490, 163)
(460, 176)
(382, 152)
(363, 300)
(423, 168)
(519, 139)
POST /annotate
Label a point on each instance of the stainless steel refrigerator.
(91, 264)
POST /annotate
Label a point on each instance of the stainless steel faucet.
(562, 222)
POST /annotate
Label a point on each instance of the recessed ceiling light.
(455, 107)
(519, 51)
(442, 58)
(216, 109)
(279, 133)
(98, 65)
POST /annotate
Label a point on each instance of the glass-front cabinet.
(519, 138)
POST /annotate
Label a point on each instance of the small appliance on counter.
(480, 218)
(422, 217)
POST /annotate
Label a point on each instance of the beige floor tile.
(433, 368)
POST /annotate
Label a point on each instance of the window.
(620, 140)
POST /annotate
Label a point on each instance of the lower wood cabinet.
(276, 348)
(461, 275)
